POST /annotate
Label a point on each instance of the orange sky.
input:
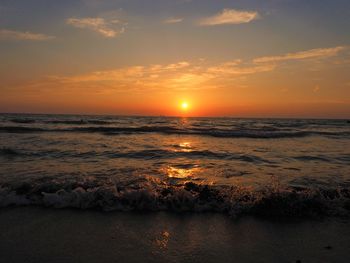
(223, 60)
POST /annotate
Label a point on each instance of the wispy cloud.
(171, 77)
(308, 54)
(183, 75)
(228, 69)
(229, 16)
(19, 35)
(98, 24)
(173, 20)
(132, 73)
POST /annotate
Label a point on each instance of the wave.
(149, 194)
(312, 158)
(165, 154)
(78, 122)
(68, 122)
(8, 152)
(143, 154)
(23, 120)
(212, 132)
(344, 158)
(21, 129)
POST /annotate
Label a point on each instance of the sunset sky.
(240, 58)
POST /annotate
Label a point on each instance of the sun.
(184, 105)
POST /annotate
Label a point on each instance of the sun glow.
(184, 105)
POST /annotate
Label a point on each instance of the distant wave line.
(213, 132)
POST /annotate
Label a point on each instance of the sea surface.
(267, 167)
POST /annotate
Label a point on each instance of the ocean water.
(269, 167)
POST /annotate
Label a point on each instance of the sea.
(233, 166)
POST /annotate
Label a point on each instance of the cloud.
(242, 70)
(308, 54)
(131, 73)
(178, 76)
(163, 78)
(173, 20)
(97, 24)
(229, 16)
(18, 35)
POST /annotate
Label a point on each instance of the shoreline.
(35, 234)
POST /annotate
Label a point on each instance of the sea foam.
(149, 194)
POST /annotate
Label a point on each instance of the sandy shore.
(48, 235)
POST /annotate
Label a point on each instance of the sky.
(239, 58)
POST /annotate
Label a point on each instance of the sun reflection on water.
(162, 241)
(185, 146)
(181, 173)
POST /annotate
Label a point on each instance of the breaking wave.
(149, 194)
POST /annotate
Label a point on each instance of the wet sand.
(30, 234)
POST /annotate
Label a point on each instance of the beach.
(32, 234)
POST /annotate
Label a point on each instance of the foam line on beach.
(149, 194)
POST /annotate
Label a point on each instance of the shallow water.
(157, 163)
